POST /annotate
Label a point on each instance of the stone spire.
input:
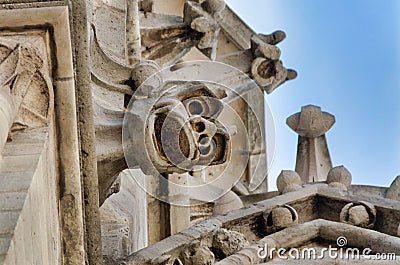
(313, 161)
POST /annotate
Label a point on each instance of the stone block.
(8, 221)
(12, 201)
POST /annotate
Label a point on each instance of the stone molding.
(55, 22)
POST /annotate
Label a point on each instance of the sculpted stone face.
(181, 133)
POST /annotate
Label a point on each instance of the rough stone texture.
(394, 190)
(203, 18)
(81, 12)
(179, 213)
(143, 71)
(226, 242)
(339, 177)
(49, 184)
(262, 61)
(124, 225)
(227, 203)
(313, 161)
(67, 143)
(203, 256)
(358, 216)
(361, 214)
(300, 235)
(311, 122)
(198, 254)
(288, 181)
(165, 38)
(280, 218)
(25, 91)
(266, 69)
(189, 127)
(283, 217)
(312, 202)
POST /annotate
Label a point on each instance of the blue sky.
(347, 54)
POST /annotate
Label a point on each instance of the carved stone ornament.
(267, 68)
(179, 129)
(26, 97)
(362, 214)
(313, 161)
(203, 17)
(280, 218)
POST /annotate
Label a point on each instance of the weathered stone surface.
(29, 89)
(394, 190)
(203, 256)
(198, 254)
(339, 177)
(358, 215)
(280, 218)
(143, 71)
(25, 90)
(262, 61)
(362, 214)
(226, 242)
(266, 69)
(329, 203)
(227, 203)
(46, 206)
(313, 161)
(311, 122)
(288, 181)
(176, 132)
(203, 18)
(124, 217)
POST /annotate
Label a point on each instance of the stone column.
(313, 161)
(133, 47)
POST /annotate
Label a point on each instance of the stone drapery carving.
(25, 97)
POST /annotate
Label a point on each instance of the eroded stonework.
(107, 127)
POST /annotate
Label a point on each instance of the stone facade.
(132, 132)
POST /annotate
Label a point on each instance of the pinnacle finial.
(313, 161)
(311, 121)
